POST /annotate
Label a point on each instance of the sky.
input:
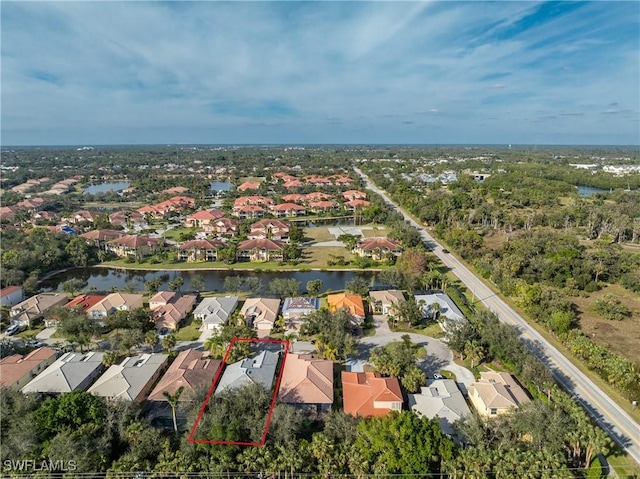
(323, 72)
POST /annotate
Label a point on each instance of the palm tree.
(110, 358)
(173, 402)
(151, 339)
(435, 309)
(169, 342)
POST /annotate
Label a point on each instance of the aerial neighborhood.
(290, 302)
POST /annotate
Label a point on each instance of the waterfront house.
(134, 245)
(354, 205)
(261, 249)
(215, 312)
(377, 248)
(261, 314)
(382, 301)
(249, 185)
(115, 302)
(200, 250)
(288, 210)
(351, 302)
(35, 307)
(170, 308)
(295, 309)
(248, 211)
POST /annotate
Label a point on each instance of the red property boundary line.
(215, 383)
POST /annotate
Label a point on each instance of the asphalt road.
(616, 422)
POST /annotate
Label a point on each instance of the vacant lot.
(621, 337)
(318, 256)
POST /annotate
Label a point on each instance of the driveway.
(439, 356)
(45, 334)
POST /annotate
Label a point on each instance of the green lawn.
(190, 330)
(318, 234)
(377, 231)
(174, 233)
(433, 330)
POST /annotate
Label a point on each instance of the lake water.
(588, 191)
(221, 186)
(104, 279)
(106, 187)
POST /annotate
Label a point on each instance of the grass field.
(189, 331)
(318, 234)
(317, 256)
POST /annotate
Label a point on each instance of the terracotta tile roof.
(15, 367)
(361, 390)
(261, 243)
(352, 302)
(190, 369)
(287, 207)
(252, 200)
(9, 290)
(202, 244)
(270, 224)
(248, 208)
(85, 301)
(317, 196)
(249, 185)
(356, 203)
(379, 243)
(135, 241)
(322, 204)
(206, 215)
(354, 194)
(306, 380)
(102, 235)
(294, 197)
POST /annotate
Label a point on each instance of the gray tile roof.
(259, 369)
(70, 372)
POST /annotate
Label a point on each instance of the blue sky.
(320, 72)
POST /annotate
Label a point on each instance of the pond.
(106, 187)
(105, 279)
(221, 186)
(588, 191)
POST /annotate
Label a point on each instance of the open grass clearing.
(318, 234)
(620, 337)
(189, 331)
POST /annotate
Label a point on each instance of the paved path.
(614, 420)
(439, 356)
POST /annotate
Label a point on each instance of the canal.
(107, 279)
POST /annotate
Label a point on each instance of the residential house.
(377, 248)
(295, 309)
(82, 216)
(307, 383)
(317, 196)
(215, 312)
(176, 190)
(288, 210)
(200, 250)
(134, 245)
(35, 307)
(222, 227)
(351, 302)
(248, 211)
(190, 370)
(81, 303)
(17, 370)
(270, 229)
(354, 195)
(353, 205)
(321, 207)
(249, 185)
(40, 217)
(291, 184)
(294, 198)
(317, 180)
(200, 219)
(446, 310)
(115, 302)
(101, 237)
(7, 213)
(259, 369)
(126, 219)
(369, 394)
(255, 200)
(382, 301)
(262, 249)
(31, 205)
(132, 379)
(261, 314)
(441, 399)
(70, 372)
(496, 393)
(170, 308)
(11, 295)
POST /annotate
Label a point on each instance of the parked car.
(438, 376)
(445, 250)
(13, 329)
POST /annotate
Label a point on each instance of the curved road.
(616, 422)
